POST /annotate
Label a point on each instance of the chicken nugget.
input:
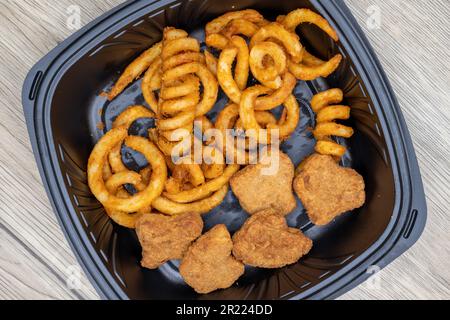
(257, 190)
(165, 238)
(327, 190)
(208, 264)
(266, 241)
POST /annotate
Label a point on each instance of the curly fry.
(289, 124)
(247, 112)
(210, 90)
(326, 127)
(260, 70)
(206, 189)
(211, 62)
(279, 96)
(97, 161)
(216, 25)
(242, 62)
(131, 114)
(152, 82)
(306, 73)
(240, 26)
(225, 76)
(289, 40)
(170, 207)
(296, 17)
(135, 69)
(216, 41)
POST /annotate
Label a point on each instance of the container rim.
(409, 214)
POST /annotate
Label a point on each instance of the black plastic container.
(63, 107)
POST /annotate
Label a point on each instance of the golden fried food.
(268, 74)
(191, 171)
(181, 85)
(247, 113)
(240, 26)
(211, 62)
(306, 72)
(97, 161)
(208, 264)
(236, 149)
(216, 41)
(257, 191)
(276, 31)
(152, 82)
(219, 23)
(210, 90)
(328, 190)
(115, 186)
(241, 70)
(225, 74)
(205, 205)
(326, 125)
(165, 238)
(115, 159)
(131, 114)
(289, 120)
(180, 89)
(266, 241)
(107, 171)
(125, 119)
(296, 17)
(206, 189)
(135, 69)
(213, 162)
(279, 96)
(310, 67)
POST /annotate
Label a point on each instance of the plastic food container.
(64, 111)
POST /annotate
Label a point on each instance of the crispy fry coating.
(152, 82)
(240, 26)
(135, 69)
(296, 17)
(279, 96)
(206, 189)
(225, 74)
(97, 161)
(326, 127)
(307, 73)
(208, 264)
(256, 191)
(266, 241)
(211, 62)
(328, 190)
(205, 205)
(216, 25)
(165, 238)
(267, 72)
(289, 40)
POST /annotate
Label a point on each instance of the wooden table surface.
(412, 43)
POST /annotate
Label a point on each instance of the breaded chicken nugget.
(257, 190)
(208, 265)
(328, 190)
(266, 241)
(165, 238)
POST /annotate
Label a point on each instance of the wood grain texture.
(412, 45)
